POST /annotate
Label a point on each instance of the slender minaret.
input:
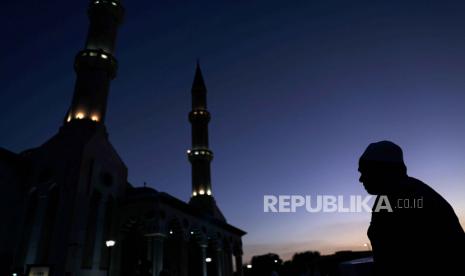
(96, 66)
(200, 155)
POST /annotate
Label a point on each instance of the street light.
(208, 260)
(367, 245)
(109, 244)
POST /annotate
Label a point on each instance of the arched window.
(92, 212)
(107, 232)
(49, 223)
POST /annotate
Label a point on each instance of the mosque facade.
(68, 208)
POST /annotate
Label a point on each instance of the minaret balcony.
(111, 7)
(199, 115)
(96, 59)
(106, 2)
(200, 154)
(83, 115)
(202, 192)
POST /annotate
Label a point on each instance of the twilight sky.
(297, 90)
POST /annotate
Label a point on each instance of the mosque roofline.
(188, 209)
(136, 193)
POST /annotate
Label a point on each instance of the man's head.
(381, 167)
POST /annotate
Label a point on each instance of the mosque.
(67, 206)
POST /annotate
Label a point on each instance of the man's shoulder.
(418, 187)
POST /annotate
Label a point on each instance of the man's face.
(374, 177)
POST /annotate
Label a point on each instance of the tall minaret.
(200, 155)
(96, 66)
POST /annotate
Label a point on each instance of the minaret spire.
(96, 66)
(200, 155)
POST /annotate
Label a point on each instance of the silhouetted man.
(422, 235)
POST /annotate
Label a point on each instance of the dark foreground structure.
(311, 263)
(67, 207)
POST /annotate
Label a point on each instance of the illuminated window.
(196, 152)
(188, 151)
(209, 192)
(201, 192)
(104, 56)
(113, 3)
(80, 115)
(194, 193)
(94, 118)
(92, 54)
(69, 118)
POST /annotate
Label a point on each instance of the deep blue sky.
(297, 90)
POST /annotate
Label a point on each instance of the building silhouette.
(62, 201)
